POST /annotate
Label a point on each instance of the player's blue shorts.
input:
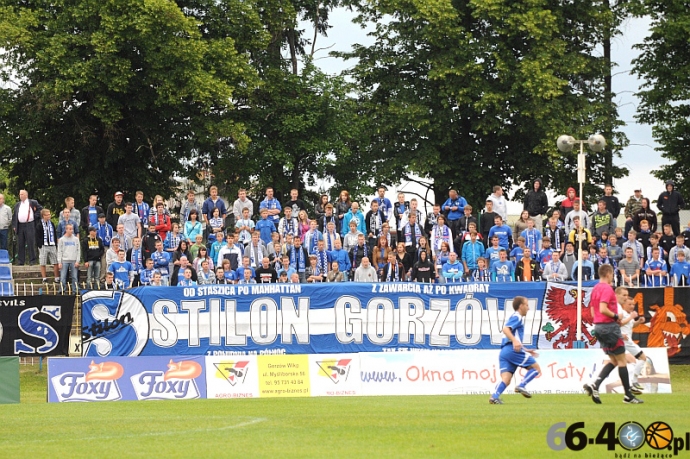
(509, 360)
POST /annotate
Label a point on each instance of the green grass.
(376, 427)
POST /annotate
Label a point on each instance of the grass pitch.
(376, 427)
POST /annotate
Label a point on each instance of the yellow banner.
(283, 375)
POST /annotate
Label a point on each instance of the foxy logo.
(99, 384)
(336, 370)
(175, 384)
(232, 372)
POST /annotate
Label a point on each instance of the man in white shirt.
(500, 202)
(130, 222)
(23, 222)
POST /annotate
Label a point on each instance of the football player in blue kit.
(514, 355)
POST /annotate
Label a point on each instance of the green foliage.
(664, 66)
(101, 96)
(10, 199)
(473, 93)
(296, 117)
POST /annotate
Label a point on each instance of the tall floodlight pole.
(565, 144)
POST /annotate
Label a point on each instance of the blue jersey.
(680, 270)
(544, 256)
(492, 255)
(504, 233)
(656, 281)
(532, 239)
(265, 227)
(509, 360)
(503, 271)
(516, 253)
(271, 204)
(161, 261)
(516, 323)
(121, 272)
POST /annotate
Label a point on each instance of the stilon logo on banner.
(38, 329)
(117, 320)
(98, 384)
(232, 372)
(335, 370)
(178, 383)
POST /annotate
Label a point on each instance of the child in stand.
(194, 248)
(247, 277)
(603, 240)
(216, 246)
(654, 243)
(482, 273)
(187, 280)
(265, 227)
(216, 222)
(680, 271)
(157, 280)
(615, 250)
(245, 226)
(620, 239)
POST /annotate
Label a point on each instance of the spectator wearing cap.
(90, 213)
(115, 209)
(631, 208)
(105, 232)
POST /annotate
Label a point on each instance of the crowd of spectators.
(132, 243)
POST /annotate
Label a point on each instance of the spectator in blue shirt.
(503, 231)
(503, 270)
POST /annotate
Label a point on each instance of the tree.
(113, 95)
(665, 96)
(473, 93)
(295, 117)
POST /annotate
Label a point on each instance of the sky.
(640, 157)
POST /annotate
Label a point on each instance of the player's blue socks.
(500, 387)
(530, 375)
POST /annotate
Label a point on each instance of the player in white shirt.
(629, 319)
